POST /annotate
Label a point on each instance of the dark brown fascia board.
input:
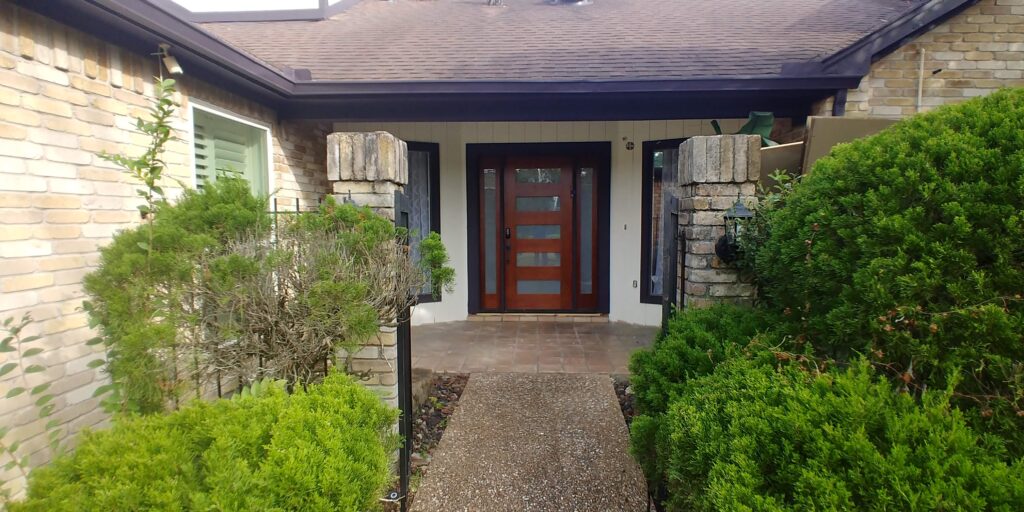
(325, 89)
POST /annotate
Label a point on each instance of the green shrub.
(360, 227)
(140, 294)
(695, 341)
(909, 246)
(327, 448)
(752, 437)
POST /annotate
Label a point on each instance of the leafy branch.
(22, 355)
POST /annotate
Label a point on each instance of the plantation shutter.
(224, 146)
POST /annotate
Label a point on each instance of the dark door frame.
(601, 152)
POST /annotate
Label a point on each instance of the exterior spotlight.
(169, 61)
(727, 247)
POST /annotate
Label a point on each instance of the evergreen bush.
(694, 342)
(327, 448)
(908, 247)
(141, 295)
(753, 437)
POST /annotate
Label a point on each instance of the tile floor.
(471, 347)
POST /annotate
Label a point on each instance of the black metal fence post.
(404, 368)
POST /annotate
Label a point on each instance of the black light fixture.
(727, 247)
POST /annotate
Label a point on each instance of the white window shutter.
(224, 146)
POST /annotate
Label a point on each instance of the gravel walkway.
(534, 442)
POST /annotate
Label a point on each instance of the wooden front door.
(538, 233)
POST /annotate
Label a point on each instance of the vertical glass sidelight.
(490, 220)
(660, 164)
(585, 198)
(417, 190)
(657, 176)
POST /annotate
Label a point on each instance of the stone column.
(367, 169)
(713, 172)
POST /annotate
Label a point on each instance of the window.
(660, 164)
(424, 195)
(227, 145)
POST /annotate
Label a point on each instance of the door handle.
(508, 233)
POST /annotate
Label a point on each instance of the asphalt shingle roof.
(427, 40)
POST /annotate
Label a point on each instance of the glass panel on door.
(538, 232)
(539, 259)
(538, 204)
(538, 287)
(538, 175)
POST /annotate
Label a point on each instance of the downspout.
(920, 81)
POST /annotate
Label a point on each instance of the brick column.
(713, 172)
(367, 169)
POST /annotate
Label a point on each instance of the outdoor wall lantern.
(727, 247)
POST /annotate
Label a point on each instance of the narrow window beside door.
(224, 146)
(423, 194)
(659, 172)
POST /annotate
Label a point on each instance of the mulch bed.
(429, 424)
(432, 416)
(627, 400)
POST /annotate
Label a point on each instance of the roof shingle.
(467, 40)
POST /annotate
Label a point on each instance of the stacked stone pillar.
(367, 169)
(713, 173)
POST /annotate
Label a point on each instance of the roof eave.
(858, 57)
(338, 89)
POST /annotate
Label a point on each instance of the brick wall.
(978, 51)
(65, 96)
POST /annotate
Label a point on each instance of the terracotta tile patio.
(471, 347)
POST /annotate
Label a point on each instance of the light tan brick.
(63, 124)
(18, 115)
(46, 105)
(115, 216)
(57, 231)
(47, 137)
(25, 248)
(26, 282)
(110, 105)
(9, 96)
(15, 80)
(61, 262)
(78, 246)
(66, 323)
(66, 216)
(98, 174)
(7, 61)
(15, 266)
(68, 155)
(94, 116)
(53, 201)
(21, 182)
(65, 94)
(90, 86)
(9, 233)
(19, 216)
(13, 132)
